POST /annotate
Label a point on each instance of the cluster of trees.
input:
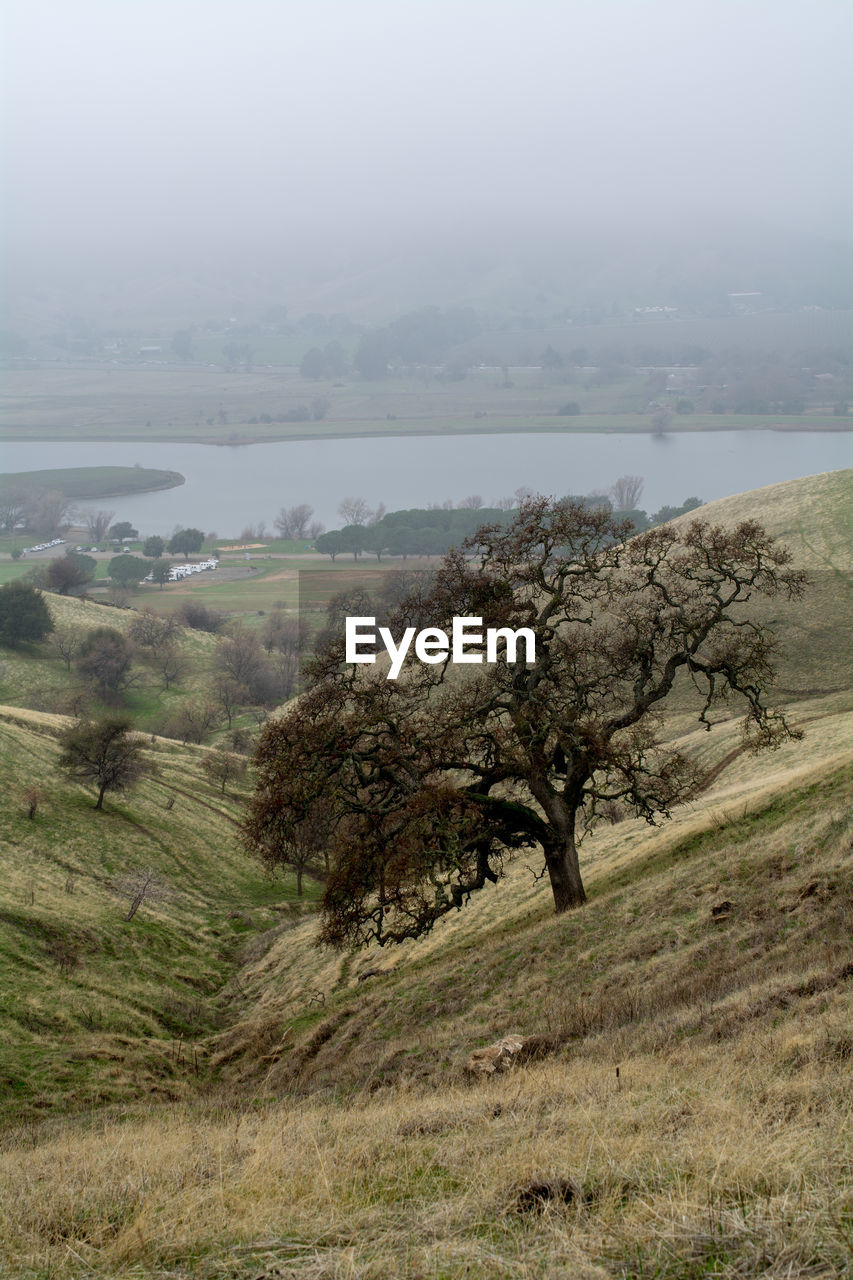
(73, 571)
(41, 512)
(416, 532)
(250, 671)
(329, 361)
(419, 337)
(296, 523)
(417, 791)
(65, 574)
(431, 531)
(315, 412)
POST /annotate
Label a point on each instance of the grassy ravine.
(80, 483)
(343, 1139)
(200, 1092)
(94, 1008)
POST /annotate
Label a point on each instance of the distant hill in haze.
(503, 267)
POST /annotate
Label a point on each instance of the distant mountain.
(501, 267)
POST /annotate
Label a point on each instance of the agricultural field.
(212, 405)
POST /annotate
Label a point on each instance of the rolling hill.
(200, 1092)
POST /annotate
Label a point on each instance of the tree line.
(432, 531)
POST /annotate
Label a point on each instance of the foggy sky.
(173, 124)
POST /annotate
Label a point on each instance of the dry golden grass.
(685, 1165)
(813, 516)
(344, 1140)
(692, 1119)
(288, 974)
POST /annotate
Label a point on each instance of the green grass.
(202, 1091)
(90, 1003)
(79, 483)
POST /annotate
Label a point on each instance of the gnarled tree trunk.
(560, 849)
(561, 859)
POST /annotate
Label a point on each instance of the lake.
(230, 487)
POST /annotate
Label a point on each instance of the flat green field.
(211, 405)
(80, 483)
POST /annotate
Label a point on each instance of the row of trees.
(419, 337)
(432, 531)
(73, 571)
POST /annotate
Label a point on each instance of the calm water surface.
(228, 488)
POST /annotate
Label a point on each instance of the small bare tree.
(192, 723)
(152, 630)
(98, 523)
(224, 767)
(472, 503)
(169, 664)
(294, 522)
(67, 641)
(626, 492)
(140, 886)
(13, 507)
(33, 797)
(229, 695)
(354, 511)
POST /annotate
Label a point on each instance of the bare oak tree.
(98, 523)
(140, 886)
(428, 783)
(67, 641)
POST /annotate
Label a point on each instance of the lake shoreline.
(411, 428)
(237, 488)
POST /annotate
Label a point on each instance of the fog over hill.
(369, 158)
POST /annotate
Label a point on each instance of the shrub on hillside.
(24, 615)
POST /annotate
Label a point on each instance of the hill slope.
(688, 1112)
(688, 1118)
(92, 1005)
(813, 516)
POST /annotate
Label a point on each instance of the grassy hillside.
(37, 677)
(343, 1138)
(93, 1006)
(505, 964)
(201, 1092)
(812, 516)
